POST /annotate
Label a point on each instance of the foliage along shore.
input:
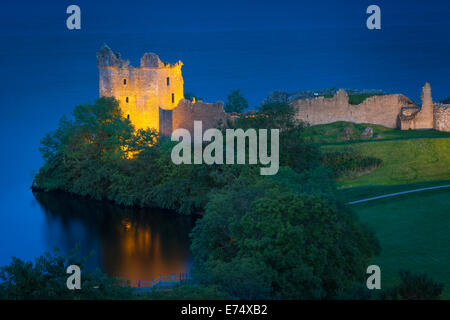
(100, 155)
(285, 236)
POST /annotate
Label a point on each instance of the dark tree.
(235, 102)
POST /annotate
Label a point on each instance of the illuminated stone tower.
(141, 91)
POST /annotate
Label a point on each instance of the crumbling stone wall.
(211, 115)
(423, 118)
(442, 117)
(382, 110)
(165, 122)
(141, 91)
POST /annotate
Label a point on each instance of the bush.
(356, 99)
(446, 101)
(264, 239)
(415, 287)
(349, 163)
(46, 279)
(187, 292)
(100, 155)
(235, 102)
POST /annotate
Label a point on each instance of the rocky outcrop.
(367, 133)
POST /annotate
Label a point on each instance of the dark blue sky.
(257, 46)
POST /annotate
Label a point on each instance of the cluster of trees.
(99, 154)
(261, 237)
(46, 279)
(447, 101)
(283, 237)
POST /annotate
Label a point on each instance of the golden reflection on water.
(139, 254)
(132, 244)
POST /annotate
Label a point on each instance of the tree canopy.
(46, 279)
(280, 237)
(236, 102)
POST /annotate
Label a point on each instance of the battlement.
(108, 58)
(151, 95)
(147, 95)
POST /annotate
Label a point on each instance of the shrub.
(356, 99)
(415, 287)
(46, 279)
(349, 163)
(235, 102)
(262, 238)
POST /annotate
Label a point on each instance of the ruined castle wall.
(424, 118)
(211, 114)
(442, 117)
(382, 110)
(143, 90)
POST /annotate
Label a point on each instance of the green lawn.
(408, 156)
(414, 231)
(404, 161)
(363, 192)
(334, 134)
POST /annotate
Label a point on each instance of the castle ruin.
(151, 95)
(389, 110)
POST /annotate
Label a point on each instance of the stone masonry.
(149, 93)
(390, 110)
(151, 96)
(382, 110)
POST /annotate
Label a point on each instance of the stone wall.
(423, 119)
(211, 115)
(382, 110)
(141, 91)
(442, 117)
(165, 122)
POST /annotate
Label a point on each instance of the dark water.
(131, 243)
(45, 70)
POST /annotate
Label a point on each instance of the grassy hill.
(408, 156)
(334, 133)
(413, 233)
(412, 228)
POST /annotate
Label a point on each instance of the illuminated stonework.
(141, 91)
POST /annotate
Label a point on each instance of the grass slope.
(334, 134)
(414, 234)
(363, 192)
(408, 156)
(413, 228)
(404, 161)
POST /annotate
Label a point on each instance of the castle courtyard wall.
(442, 117)
(211, 115)
(382, 110)
(151, 96)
